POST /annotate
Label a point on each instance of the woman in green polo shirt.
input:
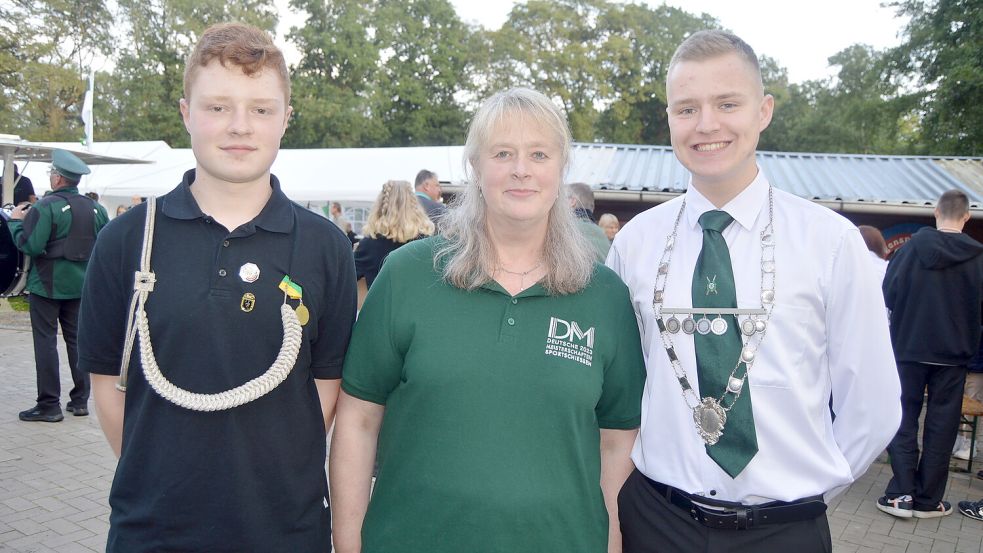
(495, 371)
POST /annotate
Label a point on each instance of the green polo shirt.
(491, 436)
(59, 279)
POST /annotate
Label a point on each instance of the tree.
(46, 48)
(140, 99)
(943, 50)
(553, 46)
(334, 80)
(639, 43)
(425, 66)
(861, 110)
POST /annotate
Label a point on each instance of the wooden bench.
(971, 411)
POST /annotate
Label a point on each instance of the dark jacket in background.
(369, 256)
(934, 289)
(23, 190)
(435, 210)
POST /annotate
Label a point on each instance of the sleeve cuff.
(99, 367)
(625, 424)
(327, 372)
(356, 392)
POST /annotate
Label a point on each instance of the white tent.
(353, 176)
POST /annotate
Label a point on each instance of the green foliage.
(378, 73)
(944, 51)
(333, 83)
(424, 48)
(552, 46)
(409, 72)
(139, 101)
(44, 49)
(639, 43)
(861, 110)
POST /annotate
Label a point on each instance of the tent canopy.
(341, 174)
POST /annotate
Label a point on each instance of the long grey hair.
(466, 256)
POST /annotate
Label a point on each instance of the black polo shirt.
(249, 478)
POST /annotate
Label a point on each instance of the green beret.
(68, 165)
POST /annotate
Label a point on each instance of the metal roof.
(877, 179)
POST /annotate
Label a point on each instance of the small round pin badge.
(249, 272)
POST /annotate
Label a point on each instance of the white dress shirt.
(880, 266)
(828, 334)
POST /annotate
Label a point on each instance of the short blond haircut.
(397, 214)
(704, 45)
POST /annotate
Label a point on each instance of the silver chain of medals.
(709, 413)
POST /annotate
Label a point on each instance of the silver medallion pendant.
(748, 327)
(710, 419)
(718, 326)
(689, 325)
(672, 325)
(703, 326)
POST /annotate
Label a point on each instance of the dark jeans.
(924, 478)
(46, 313)
(651, 524)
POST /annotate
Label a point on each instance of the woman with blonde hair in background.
(396, 218)
(496, 366)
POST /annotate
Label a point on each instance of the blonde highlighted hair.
(397, 214)
(466, 257)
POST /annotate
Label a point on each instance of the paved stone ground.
(55, 478)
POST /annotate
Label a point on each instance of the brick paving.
(55, 478)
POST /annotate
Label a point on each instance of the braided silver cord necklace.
(137, 323)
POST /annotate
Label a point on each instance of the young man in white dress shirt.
(747, 465)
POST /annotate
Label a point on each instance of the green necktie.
(716, 356)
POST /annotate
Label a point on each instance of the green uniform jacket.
(58, 279)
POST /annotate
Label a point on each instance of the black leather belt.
(734, 516)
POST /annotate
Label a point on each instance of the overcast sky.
(800, 35)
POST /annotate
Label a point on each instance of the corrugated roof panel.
(849, 177)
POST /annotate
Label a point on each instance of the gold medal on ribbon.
(303, 315)
(295, 291)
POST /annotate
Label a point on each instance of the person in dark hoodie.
(934, 289)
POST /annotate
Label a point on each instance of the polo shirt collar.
(536, 289)
(744, 208)
(276, 216)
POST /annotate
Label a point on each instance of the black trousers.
(46, 314)
(924, 477)
(651, 524)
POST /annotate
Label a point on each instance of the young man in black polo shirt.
(243, 329)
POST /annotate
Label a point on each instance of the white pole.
(87, 110)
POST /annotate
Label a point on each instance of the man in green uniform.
(58, 232)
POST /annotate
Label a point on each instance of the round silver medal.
(672, 325)
(689, 325)
(718, 326)
(249, 272)
(747, 327)
(703, 326)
